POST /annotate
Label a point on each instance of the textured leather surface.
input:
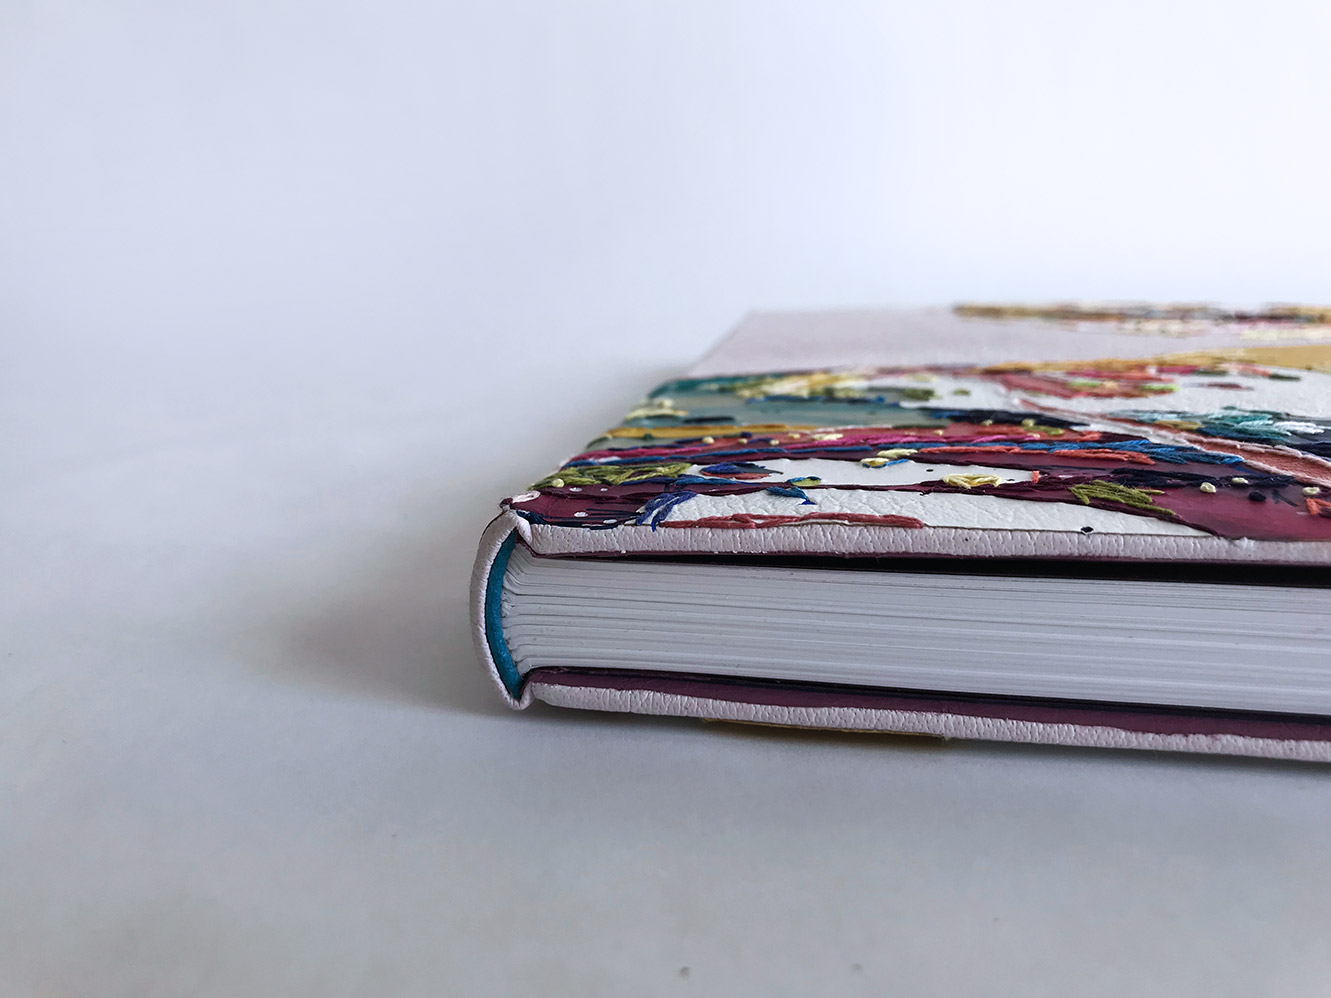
(855, 718)
(988, 527)
(1007, 523)
(923, 723)
(866, 540)
(792, 340)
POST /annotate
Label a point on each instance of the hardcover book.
(1082, 524)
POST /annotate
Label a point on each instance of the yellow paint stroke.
(972, 481)
(803, 384)
(1300, 356)
(719, 430)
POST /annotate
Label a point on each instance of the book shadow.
(388, 617)
(388, 622)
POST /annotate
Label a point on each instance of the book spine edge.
(487, 580)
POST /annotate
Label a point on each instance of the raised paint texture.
(1235, 443)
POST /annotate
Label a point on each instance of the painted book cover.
(1138, 433)
(1219, 452)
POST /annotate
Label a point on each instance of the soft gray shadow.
(391, 622)
(1029, 753)
(388, 618)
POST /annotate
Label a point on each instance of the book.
(1080, 524)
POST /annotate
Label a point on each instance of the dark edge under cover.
(1127, 717)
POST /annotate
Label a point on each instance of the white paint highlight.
(907, 472)
(939, 509)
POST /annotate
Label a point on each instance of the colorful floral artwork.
(1234, 443)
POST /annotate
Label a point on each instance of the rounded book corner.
(496, 547)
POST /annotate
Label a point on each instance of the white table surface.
(293, 294)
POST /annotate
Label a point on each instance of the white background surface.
(291, 292)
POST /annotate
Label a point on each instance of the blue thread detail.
(1258, 425)
(792, 491)
(494, 623)
(700, 480)
(659, 507)
(740, 468)
(1168, 453)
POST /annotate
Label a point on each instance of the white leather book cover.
(1174, 434)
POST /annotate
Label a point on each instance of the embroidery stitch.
(768, 449)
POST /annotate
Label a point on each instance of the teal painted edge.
(494, 623)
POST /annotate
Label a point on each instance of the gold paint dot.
(1239, 481)
(971, 481)
(556, 483)
(873, 462)
(1207, 487)
(893, 453)
(709, 440)
(1311, 490)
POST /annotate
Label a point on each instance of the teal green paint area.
(494, 623)
(879, 407)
